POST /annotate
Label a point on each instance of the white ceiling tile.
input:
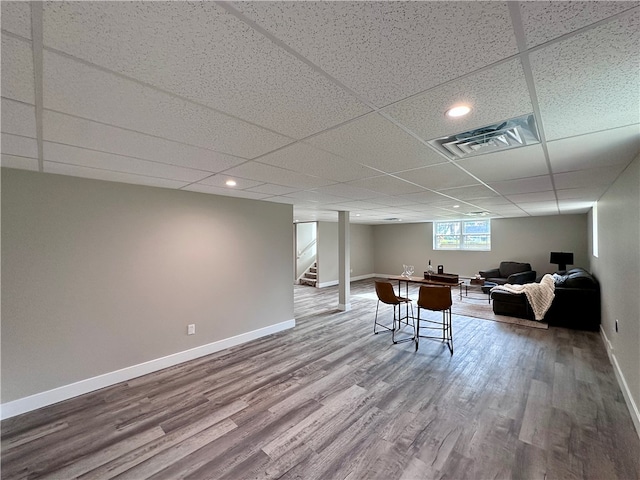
(473, 192)
(69, 130)
(271, 189)
(544, 21)
(224, 191)
(221, 179)
(17, 69)
(348, 191)
(16, 18)
(541, 208)
(520, 162)
(593, 177)
(390, 50)
(425, 197)
(589, 82)
(305, 158)
(23, 163)
(197, 50)
(18, 118)
(387, 185)
(438, 177)
(398, 201)
(359, 205)
(97, 174)
(278, 176)
(523, 198)
(523, 185)
(497, 94)
(493, 202)
(584, 194)
(601, 149)
(508, 209)
(317, 197)
(58, 153)
(280, 199)
(81, 90)
(19, 146)
(375, 141)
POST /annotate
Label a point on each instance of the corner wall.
(98, 276)
(618, 269)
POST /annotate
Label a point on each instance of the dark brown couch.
(510, 272)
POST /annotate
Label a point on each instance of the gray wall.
(618, 269)
(526, 239)
(99, 276)
(362, 253)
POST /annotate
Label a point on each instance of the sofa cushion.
(509, 268)
(576, 278)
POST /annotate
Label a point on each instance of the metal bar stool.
(387, 295)
(438, 299)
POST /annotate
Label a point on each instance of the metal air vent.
(513, 133)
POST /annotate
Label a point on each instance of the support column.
(344, 262)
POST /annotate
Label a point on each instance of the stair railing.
(306, 249)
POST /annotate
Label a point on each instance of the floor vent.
(514, 133)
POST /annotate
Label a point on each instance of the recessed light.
(458, 111)
(456, 206)
(230, 183)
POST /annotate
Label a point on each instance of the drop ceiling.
(327, 106)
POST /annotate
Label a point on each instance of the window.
(462, 235)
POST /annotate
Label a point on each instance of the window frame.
(461, 245)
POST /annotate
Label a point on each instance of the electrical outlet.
(616, 325)
(191, 329)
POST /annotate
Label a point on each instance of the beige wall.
(99, 276)
(362, 254)
(618, 269)
(527, 239)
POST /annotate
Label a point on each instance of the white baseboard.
(631, 404)
(33, 402)
(333, 283)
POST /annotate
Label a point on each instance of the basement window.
(473, 235)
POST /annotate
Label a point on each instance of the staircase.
(310, 277)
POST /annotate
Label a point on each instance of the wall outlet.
(616, 325)
(191, 329)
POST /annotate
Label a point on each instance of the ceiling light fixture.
(230, 183)
(458, 111)
(456, 206)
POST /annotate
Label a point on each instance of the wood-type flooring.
(328, 399)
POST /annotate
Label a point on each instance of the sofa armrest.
(522, 278)
(495, 272)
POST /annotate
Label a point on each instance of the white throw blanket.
(540, 295)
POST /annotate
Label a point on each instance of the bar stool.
(386, 294)
(438, 299)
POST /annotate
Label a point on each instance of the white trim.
(344, 307)
(631, 405)
(33, 402)
(333, 283)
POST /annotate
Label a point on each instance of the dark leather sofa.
(510, 272)
(576, 304)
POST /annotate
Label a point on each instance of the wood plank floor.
(331, 400)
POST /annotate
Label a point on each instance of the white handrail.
(304, 250)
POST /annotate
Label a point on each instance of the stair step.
(308, 281)
(313, 270)
(311, 275)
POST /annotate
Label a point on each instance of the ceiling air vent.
(513, 133)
